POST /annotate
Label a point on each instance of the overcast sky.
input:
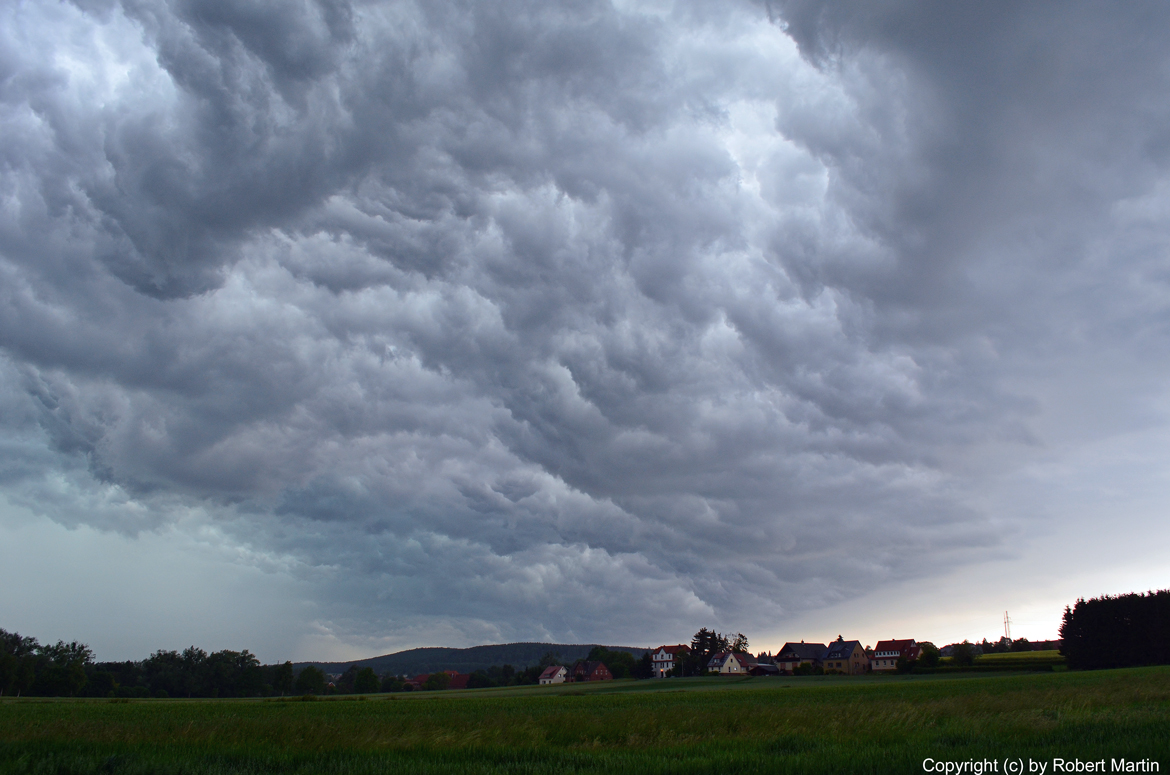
(333, 328)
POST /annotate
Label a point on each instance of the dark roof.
(801, 651)
(550, 671)
(842, 649)
(745, 660)
(764, 668)
(589, 668)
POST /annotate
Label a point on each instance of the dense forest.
(1123, 631)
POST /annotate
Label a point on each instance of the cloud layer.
(593, 321)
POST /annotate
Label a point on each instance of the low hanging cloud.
(591, 321)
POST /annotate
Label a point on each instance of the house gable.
(847, 657)
(664, 657)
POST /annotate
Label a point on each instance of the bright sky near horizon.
(330, 328)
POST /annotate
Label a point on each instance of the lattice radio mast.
(1007, 626)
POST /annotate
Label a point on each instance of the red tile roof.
(592, 671)
(673, 650)
(899, 647)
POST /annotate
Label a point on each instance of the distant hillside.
(429, 660)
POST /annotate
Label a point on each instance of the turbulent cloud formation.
(593, 320)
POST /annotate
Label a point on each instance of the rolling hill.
(429, 660)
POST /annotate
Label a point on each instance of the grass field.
(817, 724)
(1013, 660)
(1022, 656)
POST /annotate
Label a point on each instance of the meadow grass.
(817, 724)
(1026, 661)
(1022, 656)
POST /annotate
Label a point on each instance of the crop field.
(872, 724)
(1022, 656)
(1013, 660)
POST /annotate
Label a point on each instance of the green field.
(706, 725)
(1012, 660)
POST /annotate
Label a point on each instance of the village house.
(793, 655)
(664, 658)
(887, 652)
(457, 680)
(763, 665)
(847, 657)
(747, 660)
(730, 663)
(554, 674)
(591, 671)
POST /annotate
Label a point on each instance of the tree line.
(28, 668)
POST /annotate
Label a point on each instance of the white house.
(664, 658)
(886, 653)
(554, 674)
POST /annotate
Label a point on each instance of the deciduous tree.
(437, 681)
(365, 682)
(310, 681)
(282, 679)
(963, 654)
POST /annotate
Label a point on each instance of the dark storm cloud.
(569, 320)
(1028, 127)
